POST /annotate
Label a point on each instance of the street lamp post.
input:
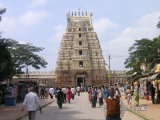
(109, 71)
(27, 64)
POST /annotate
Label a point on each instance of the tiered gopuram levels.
(80, 60)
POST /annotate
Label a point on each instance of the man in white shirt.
(31, 102)
(78, 90)
(51, 92)
(64, 90)
(118, 93)
(100, 96)
(73, 92)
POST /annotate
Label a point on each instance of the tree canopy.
(22, 56)
(6, 65)
(144, 51)
(1, 13)
(15, 56)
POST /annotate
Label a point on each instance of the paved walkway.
(78, 109)
(152, 110)
(14, 112)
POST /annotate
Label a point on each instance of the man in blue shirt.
(106, 93)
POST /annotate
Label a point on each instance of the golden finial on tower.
(79, 12)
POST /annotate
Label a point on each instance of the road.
(78, 109)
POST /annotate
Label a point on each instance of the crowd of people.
(17, 91)
(65, 94)
(108, 97)
(150, 92)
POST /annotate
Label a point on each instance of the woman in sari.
(69, 95)
(94, 97)
(90, 95)
(60, 98)
(136, 94)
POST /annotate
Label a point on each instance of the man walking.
(64, 90)
(114, 106)
(78, 90)
(31, 102)
(51, 92)
(73, 92)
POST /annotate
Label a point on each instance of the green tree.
(142, 51)
(1, 13)
(6, 66)
(24, 55)
(15, 56)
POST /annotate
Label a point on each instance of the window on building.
(65, 78)
(79, 29)
(80, 52)
(80, 63)
(80, 43)
(96, 53)
(80, 35)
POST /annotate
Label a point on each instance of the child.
(129, 96)
(147, 94)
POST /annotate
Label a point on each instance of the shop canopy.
(143, 79)
(153, 77)
(149, 78)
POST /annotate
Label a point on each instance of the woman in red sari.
(90, 95)
(69, 95)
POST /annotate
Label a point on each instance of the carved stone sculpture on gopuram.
(80, 61)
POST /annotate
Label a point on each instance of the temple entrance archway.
(80, 80)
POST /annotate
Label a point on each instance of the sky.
(118, 23)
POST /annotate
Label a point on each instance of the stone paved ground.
(78, 109)
(14, 112)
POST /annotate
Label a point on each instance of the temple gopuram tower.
(80, 60)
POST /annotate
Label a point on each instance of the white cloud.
(59, 31)
(144, 28)
(32, 17)
(9, 24)
(38, 2)
(103, 24)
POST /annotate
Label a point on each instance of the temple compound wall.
(46, 78)
(117, 76)
(50, 78)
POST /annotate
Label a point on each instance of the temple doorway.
(80, 80)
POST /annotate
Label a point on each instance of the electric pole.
(109, 70)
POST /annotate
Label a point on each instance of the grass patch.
(140, 115)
